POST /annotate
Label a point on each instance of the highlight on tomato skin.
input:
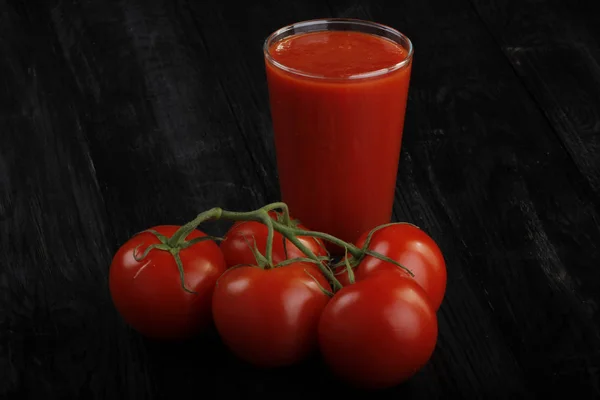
(378, 332)
(148, 294)
(269, 317)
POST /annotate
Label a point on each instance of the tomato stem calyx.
(262, 262)
(349, 268)
(173, 247)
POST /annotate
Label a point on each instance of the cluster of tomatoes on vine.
(276, 296)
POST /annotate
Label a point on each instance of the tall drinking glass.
(338, 90)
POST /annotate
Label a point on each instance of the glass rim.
(333, 21)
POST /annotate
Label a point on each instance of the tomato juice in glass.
(338, 90)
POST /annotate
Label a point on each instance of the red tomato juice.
(338, 126)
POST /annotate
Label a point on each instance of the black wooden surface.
(116, 116)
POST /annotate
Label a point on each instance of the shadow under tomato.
(205, 360)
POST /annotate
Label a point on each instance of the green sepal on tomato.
(151, 293)
(379, 331)
(244, 235)
(269, 317)
(409, 246)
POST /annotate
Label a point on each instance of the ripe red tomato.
(148, 293)
(379, 331)
(269, 317)
(411, 247)
(237, 251)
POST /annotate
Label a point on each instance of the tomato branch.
(352, 249)
(287, 230)
(262, 215)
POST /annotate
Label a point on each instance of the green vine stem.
(260, 215)
(352, 249)
(286, 228)
(349, 269)
(287, 221)
(349, 264)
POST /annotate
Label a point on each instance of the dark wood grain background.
(116, 116)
